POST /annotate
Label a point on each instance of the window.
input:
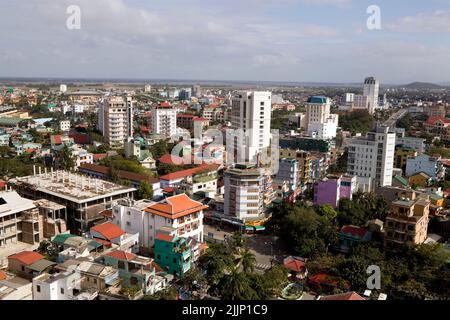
(128, 223)
(62, 290)
(38, 288)
(158, 257)
(174, 260)
(262, 103)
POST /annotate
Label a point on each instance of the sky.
(260, 40)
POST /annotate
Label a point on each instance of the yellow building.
(407, 221)
(304, 162)
(401, 155)
(420, 179)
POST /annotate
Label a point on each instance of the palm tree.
(235, 286)
(247, 260)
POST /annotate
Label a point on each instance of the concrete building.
(84, 197)
(58, 286)
(247, 192)
(251, 113)
(439, 127)
(288, 172)
(146, 217)
(401, 156)
(63, 88)
(371, 90)
(407, 221)
(432, 166)
(320, 122)
(372, 157)
(330, 190)
(164, 119)
(64, 125)
(115, 120)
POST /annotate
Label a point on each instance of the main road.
(392, 121)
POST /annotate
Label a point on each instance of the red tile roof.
(56, 139)
(294, 264)
(108, 230)
(126, 175)
(189, 172)
(122, 255)
(27, 257)
(354, 231)
(164, 237)
(2, 275)
(2, 184)
(80, 138)
(176, 207)
(433, 120)
(99, 156)
(343, 296)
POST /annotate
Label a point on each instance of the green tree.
(64, 159)
(236, 286)
(247, 260)
(145, 190)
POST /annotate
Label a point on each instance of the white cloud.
(438, 21)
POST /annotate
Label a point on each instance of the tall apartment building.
(164, 119)
(371, 90)
(251, 112)
(116, 120)
(407, 221)
(320, 121)
(371, 158)
(244, 192)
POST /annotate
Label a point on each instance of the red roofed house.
(438, 126)
(110, 232)
(28, 264)
(297, 266)
(351, 235)
(202, 178)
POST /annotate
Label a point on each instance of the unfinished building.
(83, 197)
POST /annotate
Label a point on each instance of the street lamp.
(271, 252)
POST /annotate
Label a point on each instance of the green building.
(172, 254)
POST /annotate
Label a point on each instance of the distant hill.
(422, 86)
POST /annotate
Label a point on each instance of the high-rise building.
(251, 112)
(63, 88)
(148, 88)
(116, 120)
(371, 91)
(371, 158)
(164, 119)
(246, 192)
(320, 122)
(197, 91)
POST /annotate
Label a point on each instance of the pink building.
(330, 190)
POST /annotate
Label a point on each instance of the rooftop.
(176, 206)
(70, 186)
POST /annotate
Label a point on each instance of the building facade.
(372, 157)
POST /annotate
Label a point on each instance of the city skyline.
(297, 41)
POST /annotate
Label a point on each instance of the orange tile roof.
(2, 275)
(122, 255)
(109, 230)
(27, 257)
(164, 237)
(176, 207)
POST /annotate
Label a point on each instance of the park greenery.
(359, 121)
(412, 272)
